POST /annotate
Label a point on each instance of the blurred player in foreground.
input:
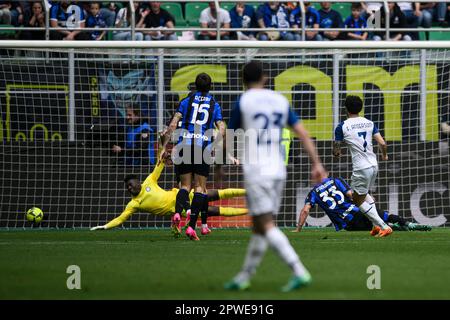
(357, 132)
(151, 198)
(263, 114)
(334, 196)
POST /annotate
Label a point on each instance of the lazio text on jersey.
(330, 196)
(199, 113)
(357, 133)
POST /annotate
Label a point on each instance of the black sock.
(196, 206)
(182, 201)
(392, 218)
(205, 211)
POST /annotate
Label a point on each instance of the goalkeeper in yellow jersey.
(151, 198)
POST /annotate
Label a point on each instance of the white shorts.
(264, 196)
(364, 180)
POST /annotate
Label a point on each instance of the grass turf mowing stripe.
(150, 264)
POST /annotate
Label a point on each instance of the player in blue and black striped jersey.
(197, 114)
(334, 196)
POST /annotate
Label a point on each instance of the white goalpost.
(63, 108)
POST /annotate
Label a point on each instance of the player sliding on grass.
(357, 132)
(151, 198)
(263, 114)
(334, 196)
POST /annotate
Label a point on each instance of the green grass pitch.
(150, 264)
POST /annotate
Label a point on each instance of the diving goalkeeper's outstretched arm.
(129, 210)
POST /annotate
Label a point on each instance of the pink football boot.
(192, 234)
(206, 231)
(176, 219)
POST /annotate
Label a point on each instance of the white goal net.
(62, 111)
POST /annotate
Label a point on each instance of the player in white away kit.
(357, 132)
(266, 113)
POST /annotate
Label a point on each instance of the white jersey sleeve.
(358, 134)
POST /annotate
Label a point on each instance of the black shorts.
(201, 169)
(359, 223)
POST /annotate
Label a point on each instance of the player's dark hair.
(130, 177)
(353, 104)
(252, 72)
(203, 82)
(356, 6)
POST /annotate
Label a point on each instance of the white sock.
(371, 202)
(370, 211)
(204, 225)
(369, 199)
(280, 243)
(255, 252)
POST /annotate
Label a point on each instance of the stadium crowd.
(69, 15)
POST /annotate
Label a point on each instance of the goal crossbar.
(225, 44)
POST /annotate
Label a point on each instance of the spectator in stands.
(441, 13)
(107, 15)
(291, 5)
(425, 13)
(112, 6)
(69, 16)
(155, 17)
(330, 18)
(397, 19)
(96, 20)
(370, 8)
(356, 21)
(123, 20)
(34, 20)
(136, 144)
(209, 18)
(243, 16)
(412, 12)
(19, 11)
(5, 13)
(312, 21)
(274, 15)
